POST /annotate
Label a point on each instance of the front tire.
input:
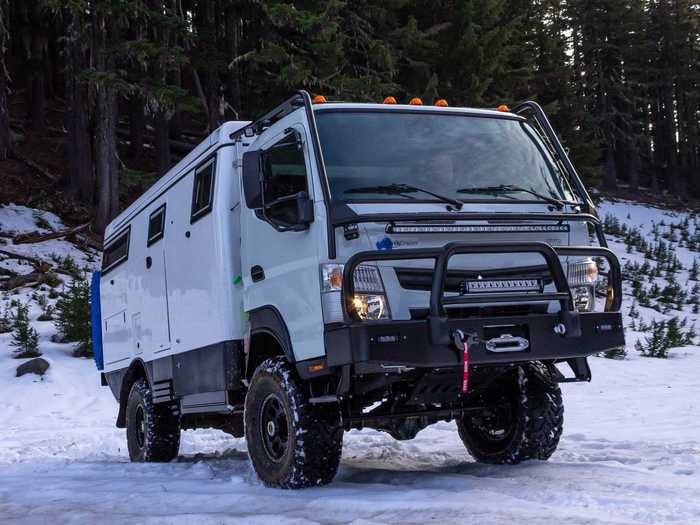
(291, 443)
(523, 419)
(152, 431)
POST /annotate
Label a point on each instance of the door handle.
(149, 262)
(257, 273)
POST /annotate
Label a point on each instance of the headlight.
(582, 277)
(370, 298)
(370, 306)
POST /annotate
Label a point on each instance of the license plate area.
(507, 338)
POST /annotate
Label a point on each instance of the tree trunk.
(37, 70)
(633, 166)
(175, 123)
(105, 129)
(5, 144)
(77, 119)
(105, 160)
(610, 179)
(162, 142)
(234, 80)
(79, 145)
(137, 125)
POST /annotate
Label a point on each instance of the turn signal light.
(441, 102)
(415, 101)
(389, 100)
(503, 108)
(319, 99)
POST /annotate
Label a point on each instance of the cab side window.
(286, 177)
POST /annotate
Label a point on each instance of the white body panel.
(290, 259)
(185, 297)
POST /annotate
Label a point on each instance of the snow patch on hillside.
(630, 451)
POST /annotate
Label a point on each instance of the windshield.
(392, 156)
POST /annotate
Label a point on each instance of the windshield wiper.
(397, 189)
(507, 188)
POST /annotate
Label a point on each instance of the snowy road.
(630, 454)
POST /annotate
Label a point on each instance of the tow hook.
(462, 341)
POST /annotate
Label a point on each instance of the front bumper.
(567, 335)
(378, 346)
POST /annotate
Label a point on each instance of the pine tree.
(72, 317)
(656, 345)
(6, 322)
(606, 37)
(476, 59)
(25, 340)
(674, 335)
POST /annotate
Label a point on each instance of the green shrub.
(24, 337)
(72, 317)
(6, 323)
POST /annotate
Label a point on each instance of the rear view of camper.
(333, 266)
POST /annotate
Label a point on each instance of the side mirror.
(252, 179)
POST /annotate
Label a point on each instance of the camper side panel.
(204, 307)
(114, 294)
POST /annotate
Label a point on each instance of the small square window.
(156, 225)
(203, 190)
(116, 252)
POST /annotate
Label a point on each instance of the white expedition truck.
(335, 266)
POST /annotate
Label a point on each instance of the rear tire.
(291, 443)
(523, 420)
(152, 431)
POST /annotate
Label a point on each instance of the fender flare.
(268, 320)
(137, 369)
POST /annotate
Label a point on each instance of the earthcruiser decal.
(387, 243)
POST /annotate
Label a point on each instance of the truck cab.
(366, 265)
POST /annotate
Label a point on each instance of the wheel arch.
(137, 370)
(269, 337)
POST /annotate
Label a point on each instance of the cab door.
(280, 263)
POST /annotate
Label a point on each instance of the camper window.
(202, 190)
(156, 225)
(116, 251)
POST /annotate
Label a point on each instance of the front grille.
(422, 278)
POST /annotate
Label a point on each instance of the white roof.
(404, 107)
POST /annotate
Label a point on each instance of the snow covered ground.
(630, 451)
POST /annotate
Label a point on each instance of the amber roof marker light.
(415, 101)
(441, 102)
(503, 108)
(319, 99)
(389, 100)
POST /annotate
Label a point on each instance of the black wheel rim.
(495, 425)
(140, 424)
(274, 428)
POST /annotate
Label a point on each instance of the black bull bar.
(567, 335)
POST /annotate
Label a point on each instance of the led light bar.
(476, 228)
(501, 286)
